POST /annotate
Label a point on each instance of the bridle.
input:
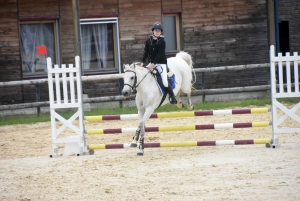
(135, 84)
(135, 80)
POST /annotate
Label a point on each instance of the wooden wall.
(37, 8)
(98, 8)
(67, 32)
(214, 32)
(225, 33)
(9, 41)
(171, 5)
(10, 66)
(289, 11)
(136, 19)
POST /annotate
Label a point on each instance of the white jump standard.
(73, 144)
(290, 92)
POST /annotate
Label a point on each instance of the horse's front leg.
(142, 125)
(135, 138)
(139, 130)
(141, 144)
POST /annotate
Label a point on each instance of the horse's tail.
(188, 59)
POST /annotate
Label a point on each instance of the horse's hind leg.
(186, 88)
(179, 103)
(190, 104)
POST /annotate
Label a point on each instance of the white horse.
(149, 96)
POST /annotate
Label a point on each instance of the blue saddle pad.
(162, 88)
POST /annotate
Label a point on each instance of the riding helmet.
(157, 25)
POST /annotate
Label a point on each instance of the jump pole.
(266, 141)
(179, 128)
(181, 114)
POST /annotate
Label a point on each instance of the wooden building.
(113, 32)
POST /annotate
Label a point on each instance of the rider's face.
(156, 32)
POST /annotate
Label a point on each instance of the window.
(100, 45)
(172, 32)
(284, 37)
(38, 41)
(284, 44)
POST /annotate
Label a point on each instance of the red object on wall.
(42, 50)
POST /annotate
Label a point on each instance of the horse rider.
(155, 52)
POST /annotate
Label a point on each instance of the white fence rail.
(120, 76)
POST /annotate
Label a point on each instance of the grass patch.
(289, 100)
(31, 119)
(23, 119)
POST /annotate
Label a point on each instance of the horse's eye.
(132, 78)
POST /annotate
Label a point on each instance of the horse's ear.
(125, 66)
(132, 66)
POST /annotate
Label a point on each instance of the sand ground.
(241, 172)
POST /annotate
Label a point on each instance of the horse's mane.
(138, 64)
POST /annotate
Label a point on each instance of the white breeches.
(162, 70)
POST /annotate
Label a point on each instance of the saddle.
(171, 80)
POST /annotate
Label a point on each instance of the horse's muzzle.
(126, 93)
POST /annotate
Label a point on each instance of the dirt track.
(247, 172)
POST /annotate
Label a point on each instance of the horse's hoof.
(181, 105)
(191, 108)
(133, 145)
(140, 154)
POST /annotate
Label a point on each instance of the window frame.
(56, 44)
(116, 40)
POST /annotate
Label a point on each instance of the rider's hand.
(142, 64)
(151, 66)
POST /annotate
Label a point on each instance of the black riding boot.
(172, 97)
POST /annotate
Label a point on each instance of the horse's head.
(129, 79)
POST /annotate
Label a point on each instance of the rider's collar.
(155, 38)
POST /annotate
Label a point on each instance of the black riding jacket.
(155, 50)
